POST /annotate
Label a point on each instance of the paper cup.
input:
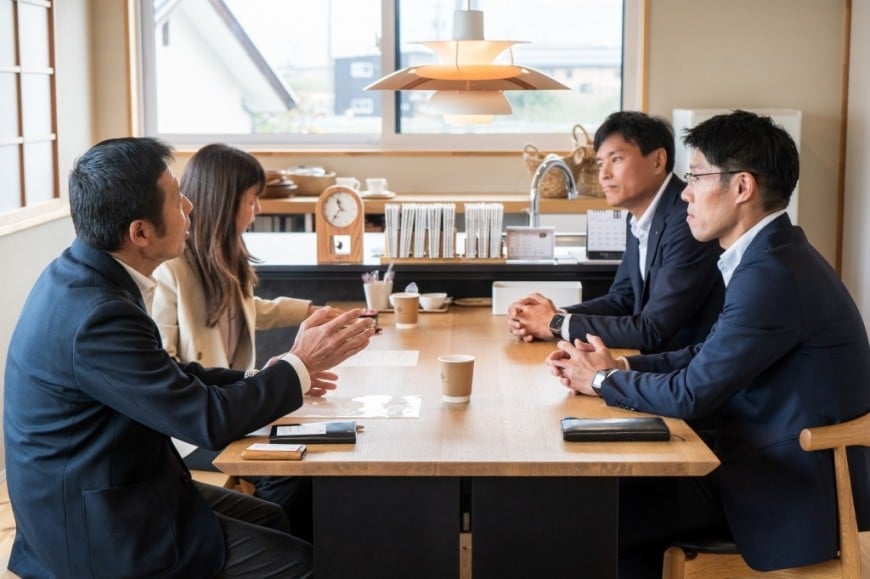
(457, 375)
(407, 308)
(378, 295)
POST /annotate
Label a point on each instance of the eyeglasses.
(692, 178)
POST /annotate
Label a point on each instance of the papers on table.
(372, 406)
(384, 358)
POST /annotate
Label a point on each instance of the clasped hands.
(575, 364)
(529, 317)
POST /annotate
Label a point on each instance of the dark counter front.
(288, 267)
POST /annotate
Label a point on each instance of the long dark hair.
(215, 180)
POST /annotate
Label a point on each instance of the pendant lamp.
(466, 79)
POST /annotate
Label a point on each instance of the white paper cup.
(378, 295)
(457, 376)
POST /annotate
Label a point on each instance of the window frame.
(633, 98)
(30, 215)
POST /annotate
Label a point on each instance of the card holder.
(343, 432)
(646, 428)
(264, 451)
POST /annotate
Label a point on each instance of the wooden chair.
(722, 560)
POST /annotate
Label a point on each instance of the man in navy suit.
(666, 293)
(788, 351)
(92, 399)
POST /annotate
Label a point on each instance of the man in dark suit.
(789, 351)
(92, 399)
(666, 293)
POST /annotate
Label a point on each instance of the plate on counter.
(374, 195)
(473, 302)
(440, 310)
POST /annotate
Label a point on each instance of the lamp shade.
(479, 102)
(466, 63)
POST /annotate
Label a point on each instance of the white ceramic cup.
(351, 182)
(376, 184)
(378, 294)
(457, 376)
(433, 301)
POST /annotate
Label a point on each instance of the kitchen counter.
(513, 203)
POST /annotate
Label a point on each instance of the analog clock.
(339, 224)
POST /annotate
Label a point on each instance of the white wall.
(856, 234)
(25, 254)
(758, 55)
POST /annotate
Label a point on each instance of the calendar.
(605, 233)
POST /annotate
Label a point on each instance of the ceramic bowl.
(433, 301)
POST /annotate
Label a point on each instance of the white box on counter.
(562, 293)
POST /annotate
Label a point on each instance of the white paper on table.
(383, 358)
(370, 406)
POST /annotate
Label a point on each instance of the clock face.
(340, 209)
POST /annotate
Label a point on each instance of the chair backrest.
(838, 437)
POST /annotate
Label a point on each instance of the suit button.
(198, 356)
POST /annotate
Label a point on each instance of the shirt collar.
(147, 285)
(731, 257)
(640, 227)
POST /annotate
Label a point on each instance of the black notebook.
(314, 433)
(614, 429)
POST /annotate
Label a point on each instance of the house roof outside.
(263, 88)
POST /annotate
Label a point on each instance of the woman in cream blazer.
(180, 313)
(204, 304)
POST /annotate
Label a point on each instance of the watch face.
(340, 209)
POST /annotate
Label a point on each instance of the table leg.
(383, 527)
(544, 527)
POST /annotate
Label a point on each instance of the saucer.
(373, 195)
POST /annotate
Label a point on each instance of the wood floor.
(7, 527)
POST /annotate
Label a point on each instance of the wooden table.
(398, 502)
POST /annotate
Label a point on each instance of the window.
(28, 139)
(293, 72)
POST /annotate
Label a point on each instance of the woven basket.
(581, 162)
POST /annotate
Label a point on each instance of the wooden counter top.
(513, 203)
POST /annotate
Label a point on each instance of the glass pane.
(9, 111)
(578, 42)
(279, 66)
(33, 26)
(38, 172)
(10, 178)
(36, 105)
(7, 34)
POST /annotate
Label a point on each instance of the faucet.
(551, 161)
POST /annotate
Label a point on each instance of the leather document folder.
(614, 429)
(343, 432)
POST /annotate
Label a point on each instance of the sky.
(292, 31)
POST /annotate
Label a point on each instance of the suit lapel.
(105, 265)
(657, 228)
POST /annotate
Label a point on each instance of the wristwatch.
(600, 377)
(556, 325)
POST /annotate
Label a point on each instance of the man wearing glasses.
(666, 293)
(789, 351)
